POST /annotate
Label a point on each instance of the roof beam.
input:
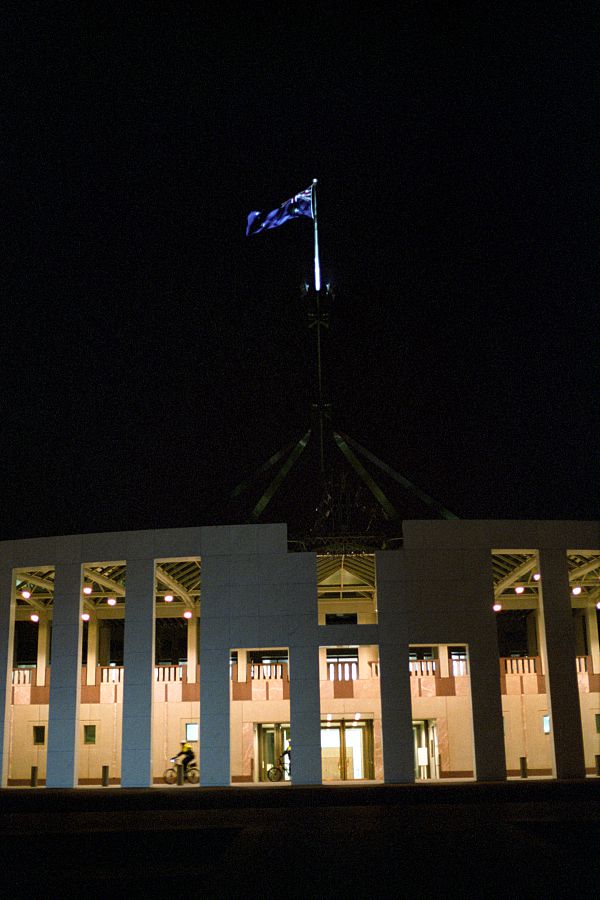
(174, 585)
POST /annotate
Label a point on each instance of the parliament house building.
(466, 650)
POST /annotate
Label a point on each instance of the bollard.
(34, 776)
(179, 773)
(105, 778)
(597, 765)
(523, 764)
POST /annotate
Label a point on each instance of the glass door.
(273, 738)
(347, 750)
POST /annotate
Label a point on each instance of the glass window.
(191, 731)
(89, 734)
(546, 722)
(39, 734)
(597, 723)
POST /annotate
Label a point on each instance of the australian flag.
(298, 205)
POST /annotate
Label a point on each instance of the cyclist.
(186, 756)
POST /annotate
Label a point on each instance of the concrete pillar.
(215, 647)
(65, 682)
(192, 648)
(396, 710)
(92, 650)
(561, 673)
(136, 752)
(7, 625)
(305, 714)
(592, 630)
(486, 699)
(42, 650)
(532, 633)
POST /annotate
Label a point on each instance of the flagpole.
(314, 209)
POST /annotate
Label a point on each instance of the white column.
(443, 662)
(92, 650)
(7, 624)
(136, 752)
(215, 645)
(42, 650)
(561, 674)
(65, 681)
(242, 665)
(305, 713)
(486, 698)
(192, 648)
(592, 630)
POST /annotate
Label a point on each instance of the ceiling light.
(519, 590)
(497, 607)
(577, 590)
(168, 598)
(111, 601)
(87, 589)
(187, 614)
(536, 577)
(25, 594)
(35, 618)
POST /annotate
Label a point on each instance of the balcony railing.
(342, 671)
(111, 674)
(420, 667)
(520, 665)
(22, 676)
(267, 671)
(582, 663)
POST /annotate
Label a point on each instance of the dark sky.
(153, 356)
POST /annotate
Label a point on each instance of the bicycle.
(277, 772)
(190, 774)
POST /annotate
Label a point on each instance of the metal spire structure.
(333, 445)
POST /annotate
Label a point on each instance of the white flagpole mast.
(314, 210)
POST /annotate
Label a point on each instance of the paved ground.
(520, 839)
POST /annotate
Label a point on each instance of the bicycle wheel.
(170, 776)
(192, 775)
(275, 774)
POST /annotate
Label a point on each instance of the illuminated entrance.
(347, 750)
(425, 738)
(273, 738)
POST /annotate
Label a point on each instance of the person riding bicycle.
(186, 756)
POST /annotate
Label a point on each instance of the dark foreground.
(520, 839)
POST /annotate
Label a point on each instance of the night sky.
(153, 356)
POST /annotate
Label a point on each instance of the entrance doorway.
(273, 738)
(347, 750)
(426, 749)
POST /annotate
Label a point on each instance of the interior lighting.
(519, 590)
(357, 716)
(577, 590)
(598, 605)
(168, 598)
(111, 601)
(187, 614)
(85, 617)
(87, 589)
(497, 607)
(330, 716)
(25, 594)
(35, 618)
(536, 576)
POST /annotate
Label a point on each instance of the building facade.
(469, 652)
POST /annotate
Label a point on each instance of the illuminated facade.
(469, 652)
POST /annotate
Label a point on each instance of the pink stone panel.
(275, 689)
(513, 684)
(462, 684)
(259, 690)
(21, 694)
(443, 743)
(583, 682)
(247, 748)
(326, 690)
(107, 693)
(427, 686)
(174, 692)
(414, 688)
(378, 749)
(530, 684)
(367, 689)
